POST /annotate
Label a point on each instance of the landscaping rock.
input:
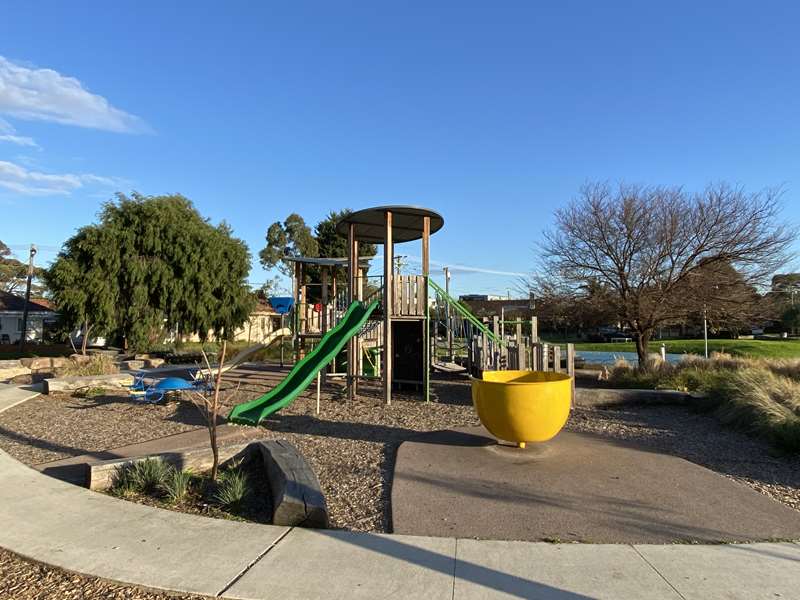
(297, 497)
(71, 384)
(153, 363)
(600, 397)
(44, 363)
(12, 368)
(81, 359)
(99, 475)
(100, 351)
(132, 365)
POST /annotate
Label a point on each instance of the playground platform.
(577, 487)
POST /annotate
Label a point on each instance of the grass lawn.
(752, 348)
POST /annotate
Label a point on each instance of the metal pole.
(27, 300)
(705, 328)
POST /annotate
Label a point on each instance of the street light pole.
(27, 300)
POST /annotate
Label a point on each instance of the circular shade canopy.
(370, 223)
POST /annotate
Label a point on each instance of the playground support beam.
(426, 324)
(388, 305)
(324, 315)
(352, 272)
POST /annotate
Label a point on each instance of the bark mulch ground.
(21, 579)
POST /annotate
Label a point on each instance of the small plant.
(232, 489)
(122, 484)
(90, 392)
(142, 477)
(176, 485)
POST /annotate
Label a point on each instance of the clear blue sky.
(491, 113)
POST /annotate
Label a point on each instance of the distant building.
(263, 320)
(41, 316)
(480, 297)
(489, 306)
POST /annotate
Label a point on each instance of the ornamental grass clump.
(176, 485)
(144, 477)
(765, 403)
(232, 489)
(760, 396)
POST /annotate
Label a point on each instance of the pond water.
(608, 358)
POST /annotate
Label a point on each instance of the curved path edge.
(59, 524)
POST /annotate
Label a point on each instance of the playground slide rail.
(464, 312)
(303, 373)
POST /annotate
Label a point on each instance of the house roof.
(13, 303)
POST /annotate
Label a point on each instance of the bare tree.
(657, 249)
(207, 402)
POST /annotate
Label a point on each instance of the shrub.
(99, 364)
(176, 485)
(232, 489)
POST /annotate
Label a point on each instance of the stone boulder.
(78, 382)
(12, 368)
(132, 365)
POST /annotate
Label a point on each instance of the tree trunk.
(85, 340)
(642, 341)
(212, 430)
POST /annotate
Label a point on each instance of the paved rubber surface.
(577, 487)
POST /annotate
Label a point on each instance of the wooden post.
(388, 304)
(319, 388)
(545, 357)
(426, 325)
(335, 296)
(470, 351)
(535, 330)
(571, 369)
(296, 311)
(356, 339)
(496, 346)
(557, 359)
(325, 310)
(522, 364)
(352, 260)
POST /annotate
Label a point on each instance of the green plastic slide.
(303, 373)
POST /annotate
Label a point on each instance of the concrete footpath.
(11, 395)
(54, 522)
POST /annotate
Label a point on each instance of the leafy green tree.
(153, 264)
(791, 318)
(294, 238)
(288, 239)
(14, 274)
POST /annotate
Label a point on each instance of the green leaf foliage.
(294, 238)
(152, 264)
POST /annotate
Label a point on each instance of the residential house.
(41, 317)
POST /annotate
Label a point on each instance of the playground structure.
(415, 325)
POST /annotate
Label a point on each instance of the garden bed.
(351, 447)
